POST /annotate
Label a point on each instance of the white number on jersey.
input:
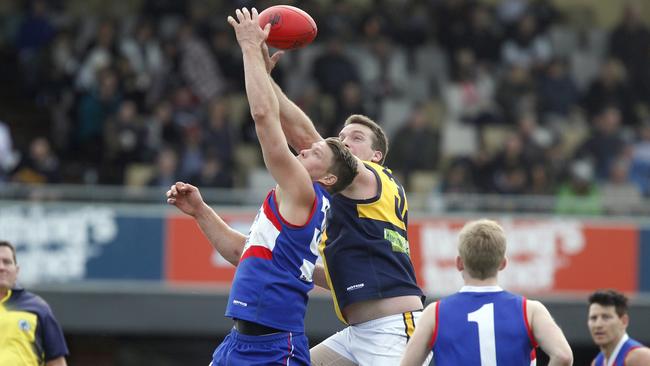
(484, 318)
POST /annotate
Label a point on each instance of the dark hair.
(380, 141)
(344, 165)
(11, 247)
(610, 298)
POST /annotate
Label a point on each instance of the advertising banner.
(72, 243)
(544, 256)
(189, 256)
(69, 243)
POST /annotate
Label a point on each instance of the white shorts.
(378, 342)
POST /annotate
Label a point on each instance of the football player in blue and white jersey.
(483, 324)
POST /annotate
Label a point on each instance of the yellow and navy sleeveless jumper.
(365, 249)
(29, 333)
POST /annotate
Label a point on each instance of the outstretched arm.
(291, 176)
(548, 335)
(225, 240)
(297, 126)
(418, 347)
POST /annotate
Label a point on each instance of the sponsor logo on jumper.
(24, 325)
(240, 303)
(355, 287)
(398, 242)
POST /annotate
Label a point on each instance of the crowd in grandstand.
(513, 97)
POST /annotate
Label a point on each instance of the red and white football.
(290, 27)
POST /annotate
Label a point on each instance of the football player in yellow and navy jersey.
(29, 333)
(365, 250)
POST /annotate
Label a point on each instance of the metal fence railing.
(433, 202)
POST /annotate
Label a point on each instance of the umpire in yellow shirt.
(29, 333)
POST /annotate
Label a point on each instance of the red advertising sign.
(543, 256)
(189, 256)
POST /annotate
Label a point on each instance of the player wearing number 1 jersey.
(482, 324)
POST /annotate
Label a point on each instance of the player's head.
(608, 317)
(330, 163)
(481, 249)
(365, 138)
(8, 266)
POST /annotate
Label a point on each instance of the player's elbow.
(234, 257)
(265, 112)
(260, 113)
(563, 357)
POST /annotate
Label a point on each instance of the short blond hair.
(482, 247)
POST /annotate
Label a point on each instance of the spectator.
(640, 163)
(458, 178)
(143, 53)
(510, 168)
(541, 180)
(482, 35)
(528, 48)
(198, 65)
(333, 69)
(558, 94)
(214, 173)
(611, 88)
(415, 145)
(451, 19)
(192, 154)
(534, 138)
(39, 166)
(169, 78)
(349, 101)
(470, 96)
(166, 171)
(219, 136)
(229, 61)
(620, 194)
(516, 94)
(161, 129)
(605, 143)
(125, 142)
(100, 55)
(382, 68)
(93, 110)
(579, 196)
(630, 43)
(323, 109)
(34, 34)
(7, 156)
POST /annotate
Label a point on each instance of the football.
(290, 27)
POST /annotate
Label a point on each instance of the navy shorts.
(284, 348)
